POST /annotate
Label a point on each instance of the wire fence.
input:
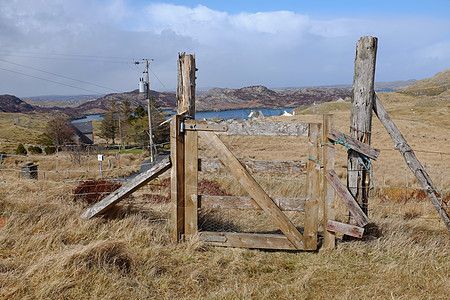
(395, 192)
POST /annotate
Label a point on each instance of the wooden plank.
(191, 183)
(243, 127)
(328, 194)
(358, 179)
(213, 165)
(243, 202)
(247, 240)
(127, 189)
(312, 188)
(350, 202)
(413, 163)
(346, 229)
(202, 126)
(354, 144)
(177, 178)
(186, 85)
(253, 188)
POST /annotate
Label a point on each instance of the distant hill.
(439, 84)
(12, 104)
(165, 100)
(59, 100)
(262, 97)
(222, 99)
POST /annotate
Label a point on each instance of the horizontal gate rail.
(247, 240)
(247, 203)
(242, 127)
(213, 165)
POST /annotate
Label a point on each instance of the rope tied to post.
(340, 141)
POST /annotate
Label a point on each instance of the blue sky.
(89, 46)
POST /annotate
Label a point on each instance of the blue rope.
(341, 140)
(365, 167)
(313, 159)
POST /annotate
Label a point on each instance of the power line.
(72, 59)
(62, 76)
(61, 54)
(49, 80)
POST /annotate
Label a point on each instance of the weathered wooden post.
(328, 194)
(358, 177)
(186, 85)
(179, 188)
(313, 186)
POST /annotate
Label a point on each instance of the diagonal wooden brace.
(253, 188)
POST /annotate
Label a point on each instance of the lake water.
(236, 113)
(224, 114)
(88, 118)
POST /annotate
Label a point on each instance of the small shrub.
(94, 190)
(35, 149)
(21, 150)
(50, 150)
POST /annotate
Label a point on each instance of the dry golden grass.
(48, 252)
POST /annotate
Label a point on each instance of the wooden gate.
(186, 201)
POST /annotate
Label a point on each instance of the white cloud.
(279, 48)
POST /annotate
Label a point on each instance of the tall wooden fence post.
(183, 186)
(358, 178)
(186, 85)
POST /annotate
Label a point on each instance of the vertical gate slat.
(329, 213)
(313, 187)
(191, 183)
(177, 178)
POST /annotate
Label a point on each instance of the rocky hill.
(437, 85)
(164, 101)
(262, 97)
(12, 104)
(222, 99)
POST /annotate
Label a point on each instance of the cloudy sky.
(59, 47)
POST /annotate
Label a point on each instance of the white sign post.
(100, 159)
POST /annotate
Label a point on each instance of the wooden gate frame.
(186, 201)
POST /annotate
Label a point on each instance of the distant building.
(255, 115)
(84, 132)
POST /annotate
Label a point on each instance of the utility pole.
(149, 104)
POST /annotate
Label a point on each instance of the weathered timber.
(191, 183)
(328, 194)
(213, 165)
(242, 127)
(247, 240)
(353, 144)
(253, 188)
(344, 228)
(186, 85)
(312, 187)
(177, 178)
(347, 198)
(247, 203)
(413, 163)
(127, 189)
(358, 179)
(202, 126)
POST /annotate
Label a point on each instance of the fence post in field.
(186, 85)
(180, 206)
(358, 176)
